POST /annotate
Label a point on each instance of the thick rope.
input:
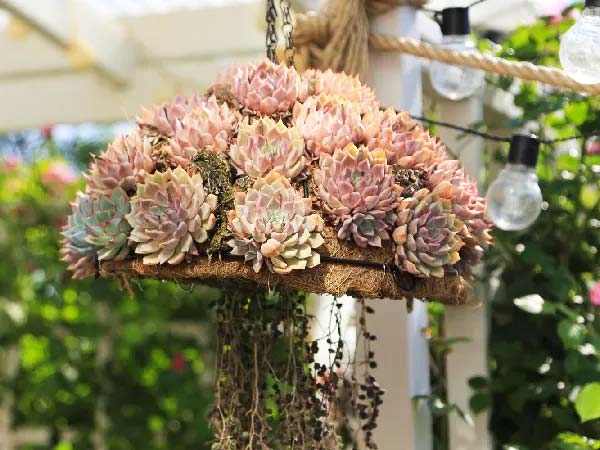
(314, 31)
(517, 69)
(344, 44)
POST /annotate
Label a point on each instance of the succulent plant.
(358, 193)
(468, 205)
(106, 223)
(75, 249)
(406, 144)
(266, 145)
(265, 88)
(208, 126)
(427, 235)
(328, 123)
(162, 119)
(169, 215)
(316, 82)
(124, 164)
(81, 265)
(272, 224)
(96, 229)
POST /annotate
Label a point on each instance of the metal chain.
(272, 38)
(287, 28)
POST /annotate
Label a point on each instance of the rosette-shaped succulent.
(316, 82)
(97, 229)
(169, 215)
(76, 250)
(272, 223)
(206, 127)
(266, 145)
(406, 144)
(124, 164)
(469, 206)
(427, 235)
(265, 88)
(358, 194)
(104, 218)
(162, 119)
(328, 123)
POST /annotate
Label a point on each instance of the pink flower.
(47, 132)
(58, 173)
(178, 363)
(592, 146)
(10, 162)
(595, 295)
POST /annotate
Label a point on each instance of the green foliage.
(545, 332)
(588, 402)
(155, 381)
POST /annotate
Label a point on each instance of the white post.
(401, 350)
(467, 359)
(10, 365)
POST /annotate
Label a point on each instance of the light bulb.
(580, 46)
(450, 81)
(514, 198)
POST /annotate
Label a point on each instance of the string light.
(455, 82)
(580, 46)
(515, 198)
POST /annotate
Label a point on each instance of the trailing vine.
(270, 392)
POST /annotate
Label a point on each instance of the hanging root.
(267, 394)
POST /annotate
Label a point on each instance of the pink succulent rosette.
(260, 162)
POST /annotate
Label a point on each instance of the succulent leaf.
(427, 235)
(266, 145)
(272, 224)
(170, 214)
(265, 88)
(328, 123)
(124, 164)
(358, 193)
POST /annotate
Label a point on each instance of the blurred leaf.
(588, 402)
(572, 334)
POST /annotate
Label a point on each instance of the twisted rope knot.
(339, 38)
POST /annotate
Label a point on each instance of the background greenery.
(156, 382)
(544, 342)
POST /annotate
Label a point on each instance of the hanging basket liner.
(340, 273)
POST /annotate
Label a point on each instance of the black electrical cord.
(404, 281)
(496, 138)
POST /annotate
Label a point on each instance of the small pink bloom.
(592, 146)
(595, 295)
(10, 162)
(178, 363)
(58, 173)
(47, 132)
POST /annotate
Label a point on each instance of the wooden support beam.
(468, 359)
(85, 97)
(401, 349)
(89, 40)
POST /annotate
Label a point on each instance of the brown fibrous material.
(333, 278)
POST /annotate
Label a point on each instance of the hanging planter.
(277, 178)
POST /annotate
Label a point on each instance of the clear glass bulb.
(580, 48)
(514, 198)
(455, 82)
